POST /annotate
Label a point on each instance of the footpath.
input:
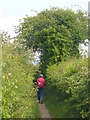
(44, 113)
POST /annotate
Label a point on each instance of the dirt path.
(44, 113)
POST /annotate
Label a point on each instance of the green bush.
(69, 83)
(18, 93)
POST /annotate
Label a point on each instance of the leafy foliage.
(4, 36)
(18, 93)
(69, 80)
(0, 79)
(56, 33)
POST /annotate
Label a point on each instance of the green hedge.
(68, 84)
(18, 93)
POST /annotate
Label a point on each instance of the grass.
(57, 108)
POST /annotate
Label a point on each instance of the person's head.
(41, 75)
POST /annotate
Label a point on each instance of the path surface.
(44, 113)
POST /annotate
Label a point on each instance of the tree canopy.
(56, 33)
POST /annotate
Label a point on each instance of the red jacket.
(41, 79)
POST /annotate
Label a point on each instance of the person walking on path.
(40, 86)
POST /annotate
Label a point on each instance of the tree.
(56, 33)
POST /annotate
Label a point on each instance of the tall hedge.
(18, 93)
(69, 80)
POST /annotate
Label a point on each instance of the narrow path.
(44, 113)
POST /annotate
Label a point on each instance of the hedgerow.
(18, 93)
(69, 80)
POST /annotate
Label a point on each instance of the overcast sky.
(13, 10)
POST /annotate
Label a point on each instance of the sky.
(13, 10)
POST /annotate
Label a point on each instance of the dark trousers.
(40, 94)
